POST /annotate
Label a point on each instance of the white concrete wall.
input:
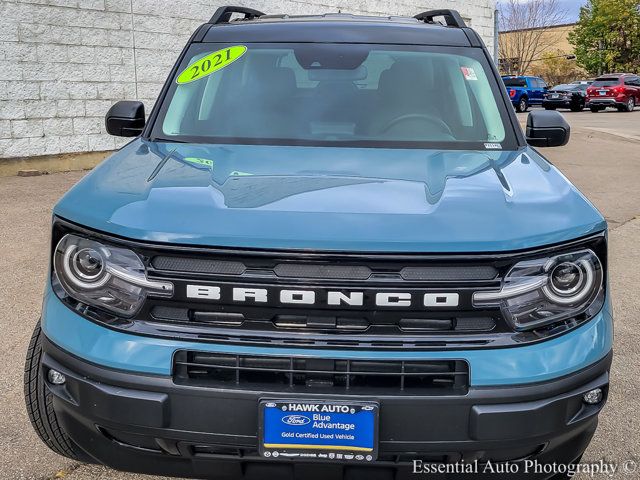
(63, 63)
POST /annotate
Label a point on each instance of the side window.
(541, 83)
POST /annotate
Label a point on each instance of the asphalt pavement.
(602, 159)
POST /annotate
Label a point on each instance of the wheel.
(578, 108)
(523, 105)
(39, 403)
(631, 105)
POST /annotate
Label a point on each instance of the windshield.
(335, 94)
(514, 82)
(568, 87)
(606, 82)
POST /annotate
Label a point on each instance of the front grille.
(321, 323)
(339, 376)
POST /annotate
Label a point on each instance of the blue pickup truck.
(525, 91)
(308, 263)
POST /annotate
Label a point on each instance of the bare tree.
(525, 31)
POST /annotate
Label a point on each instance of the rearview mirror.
(547, 129)
(125, 119)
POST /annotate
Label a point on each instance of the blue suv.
(525, 91)
(310, 263)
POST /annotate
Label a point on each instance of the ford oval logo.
(296, 420)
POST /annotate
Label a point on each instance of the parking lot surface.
(602, 159)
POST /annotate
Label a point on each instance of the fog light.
(593, 397)
(56, 377)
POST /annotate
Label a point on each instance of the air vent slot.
(330, 272)
(198, 265)
(446, 274)
(304, 322)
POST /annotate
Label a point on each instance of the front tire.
(39, 403)
(522, 105)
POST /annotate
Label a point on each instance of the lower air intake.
(284, 374)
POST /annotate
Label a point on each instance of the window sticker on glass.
(211, 63)
(469, 73)
(205, 162)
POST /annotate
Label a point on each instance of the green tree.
(556, 68)
(607, 36)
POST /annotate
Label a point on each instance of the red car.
(619, 90)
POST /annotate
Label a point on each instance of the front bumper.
(148, 424)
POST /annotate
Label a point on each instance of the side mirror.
(547, 129)
(125, 119)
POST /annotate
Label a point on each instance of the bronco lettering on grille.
(332, 298)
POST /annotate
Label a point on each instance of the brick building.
(63, 63)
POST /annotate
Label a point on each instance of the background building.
(63, 63)
(555, 59)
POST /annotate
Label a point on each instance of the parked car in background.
(572, 96)
(525, 91)
(582, 82)
(618, 90)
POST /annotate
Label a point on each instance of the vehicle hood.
(346, 199)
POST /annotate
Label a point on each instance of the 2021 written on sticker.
(211, 63)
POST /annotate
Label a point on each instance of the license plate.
(602, 92)
(555, 95)
(324, 430)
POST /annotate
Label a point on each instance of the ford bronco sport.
(329, 252)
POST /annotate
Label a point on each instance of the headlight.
(540, 292)
(111, 278)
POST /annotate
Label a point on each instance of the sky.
(573, 8)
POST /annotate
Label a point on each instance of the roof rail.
(451, 17)
(223, 14)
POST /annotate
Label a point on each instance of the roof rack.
(451, 17)
(223, 14)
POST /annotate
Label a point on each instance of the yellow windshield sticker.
(211, 63)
